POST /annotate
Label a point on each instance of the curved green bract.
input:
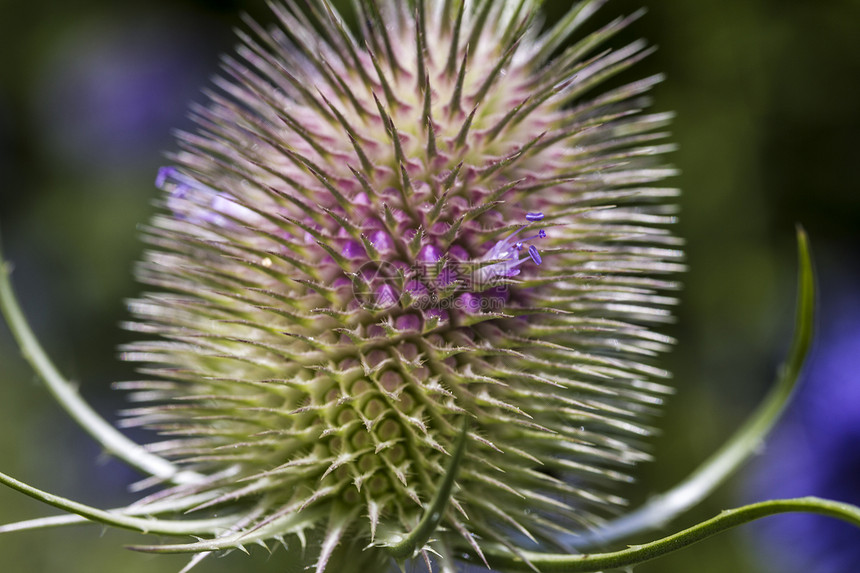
(154, 509)
(143, 525)
(636, 554)
(418, 537)
(662, 508)
(67, 395)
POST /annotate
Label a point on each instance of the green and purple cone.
(422, 253)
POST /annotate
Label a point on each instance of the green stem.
(497, 556)
(661, 509)
(67, 395)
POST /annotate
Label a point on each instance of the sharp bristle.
(495, 72)
(454, 49)
(427, 123)
(421, 47)
(481, 15)
(564, 28)
(455, 106)
(390, 98)
(354, 138)
(391, 131)
(463, 136)
(571, 58)
(381, 31)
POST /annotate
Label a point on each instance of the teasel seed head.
(379, 239)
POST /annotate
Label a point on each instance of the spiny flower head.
(422, 246)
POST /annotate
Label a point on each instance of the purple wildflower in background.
(108, 96)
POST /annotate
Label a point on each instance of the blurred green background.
(766, 93)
